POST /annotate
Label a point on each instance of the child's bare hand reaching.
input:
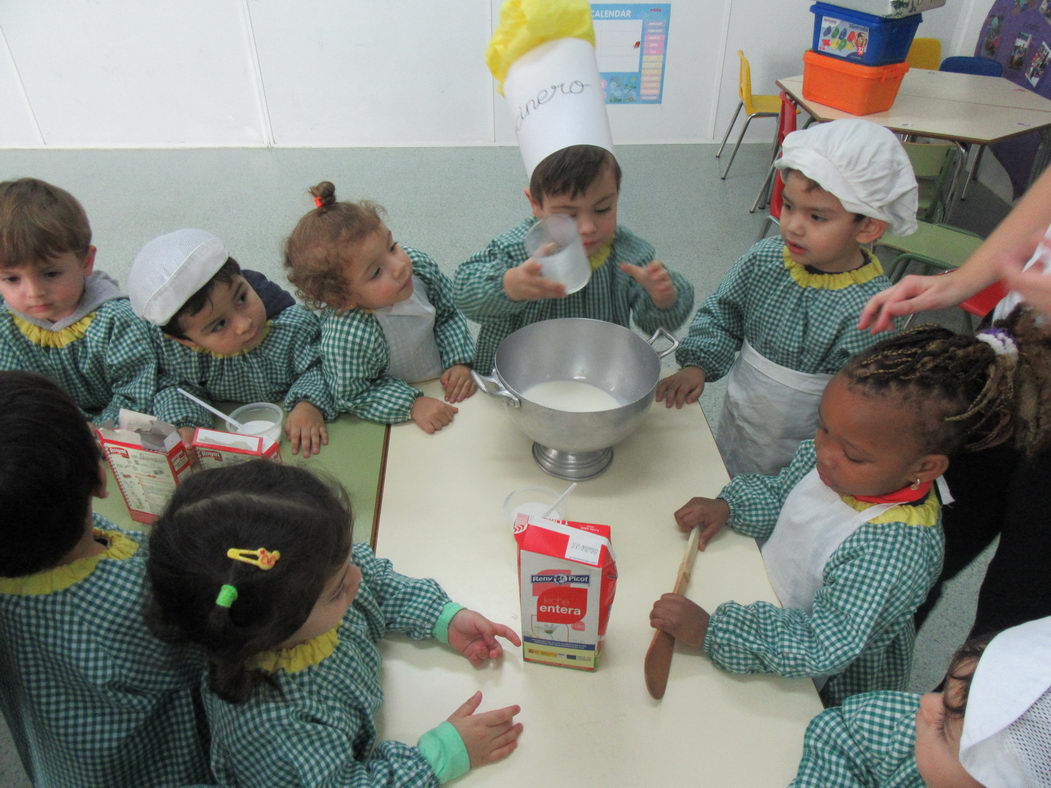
(432, 414)
(684, 620)
(490, 736)
(525, 283)
(457, 383)
(305, 428)
(682, 388)
(708, 514)
(474, 636)
(655, 280)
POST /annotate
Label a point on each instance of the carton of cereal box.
(567, 578)
(148, 460)
(217, 449)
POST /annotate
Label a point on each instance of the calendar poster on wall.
(631, 42)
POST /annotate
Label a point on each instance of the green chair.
(937, 166)
(931, 246)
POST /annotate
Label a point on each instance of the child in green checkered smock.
(217, 342)
(89, 695)
(502, 288)
(255, 565)
(387, 316)
(784, 318)
(61, 318)
(851, 527)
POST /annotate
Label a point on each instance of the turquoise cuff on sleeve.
(445, 752)
(441, 626)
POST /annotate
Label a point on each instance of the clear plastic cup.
(259, 418)
(555, 244)
(533, 501)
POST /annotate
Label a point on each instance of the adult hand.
(912, 294)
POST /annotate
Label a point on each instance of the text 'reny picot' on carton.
(148, 460)
(217, 449)
(567, 575)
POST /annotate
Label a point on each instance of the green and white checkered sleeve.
(305, 347)
(868, 741)
(168, 404)
(633, 250)
(128, 346)
(407, 604)
(450, 326)
(872, 583)
(478, 285)
(756, 500)
(355, 359)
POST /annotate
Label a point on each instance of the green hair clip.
(227, 596)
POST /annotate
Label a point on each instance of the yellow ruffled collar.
(205, 351)
(923, 514)
(56, 339)
(300, 657)
(601, 255)
(868, 271)
(47, 581)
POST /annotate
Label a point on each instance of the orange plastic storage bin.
(851, 87)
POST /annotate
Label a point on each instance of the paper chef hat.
(170, 269)
(542, 55)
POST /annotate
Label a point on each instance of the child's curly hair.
(319, 248)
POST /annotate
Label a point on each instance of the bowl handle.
(665, 334)
(494, 388)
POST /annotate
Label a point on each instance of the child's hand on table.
(305, 428)
(474, 636)
(682, 388)
(525, 283)
(684, 620)
(655, 280)
(432, 414)
(457, 383)
(490, 736)
(708, 514)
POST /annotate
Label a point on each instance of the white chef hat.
(861, 163)
(1006, 739)
(171, 268)
(542, 56)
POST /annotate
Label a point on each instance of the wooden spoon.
(658, 656)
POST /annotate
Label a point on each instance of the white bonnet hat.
(171, 268)
(862, 164)
(1006, 739)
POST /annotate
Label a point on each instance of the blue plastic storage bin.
(862, 38)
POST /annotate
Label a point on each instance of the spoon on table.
(658, 657)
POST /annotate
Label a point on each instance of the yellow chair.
(755, 106)
(925, 53)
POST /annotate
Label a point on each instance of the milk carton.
(148, 460)
(217, 449)
(567, 578)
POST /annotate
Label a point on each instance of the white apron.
(767, 411)
(409, 329)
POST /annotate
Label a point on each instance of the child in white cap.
(217, 340)
(59, 316)
(783, 320)
(544, 59)
(991, 726)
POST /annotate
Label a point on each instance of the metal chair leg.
(770, 220)
(972, 173)
(763, 198)
(737, 147)
(729, 128)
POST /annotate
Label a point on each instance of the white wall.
(319, 73)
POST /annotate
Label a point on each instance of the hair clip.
(227, 596)
(260, 557)
(319, 202)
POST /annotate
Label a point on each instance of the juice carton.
(148, 460)
(217, 449)
(567, 578)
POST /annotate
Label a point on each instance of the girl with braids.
(852, 526)
(289, 632)
(388, 319)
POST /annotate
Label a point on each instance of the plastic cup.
(258, 418)
(533, 501)
(555, 244)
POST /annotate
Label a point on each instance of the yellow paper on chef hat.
(542, 55)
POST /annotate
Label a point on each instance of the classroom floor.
(448, 202)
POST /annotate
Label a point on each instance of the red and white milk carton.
(217, 449)
(148, 460)
(567, 576)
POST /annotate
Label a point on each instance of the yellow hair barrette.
(260, 557)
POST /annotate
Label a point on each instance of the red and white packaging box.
(218, 449)
(148, 460)
(567, 577)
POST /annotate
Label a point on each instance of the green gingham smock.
(320, 729)
(795, 317)
(285, 365)
(355, 356)
(860, 629)
(90, 696)
(105, 361)
(610, 295)
(869, 741)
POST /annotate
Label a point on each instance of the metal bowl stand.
(574, 466)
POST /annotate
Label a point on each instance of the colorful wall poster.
(631, 43)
